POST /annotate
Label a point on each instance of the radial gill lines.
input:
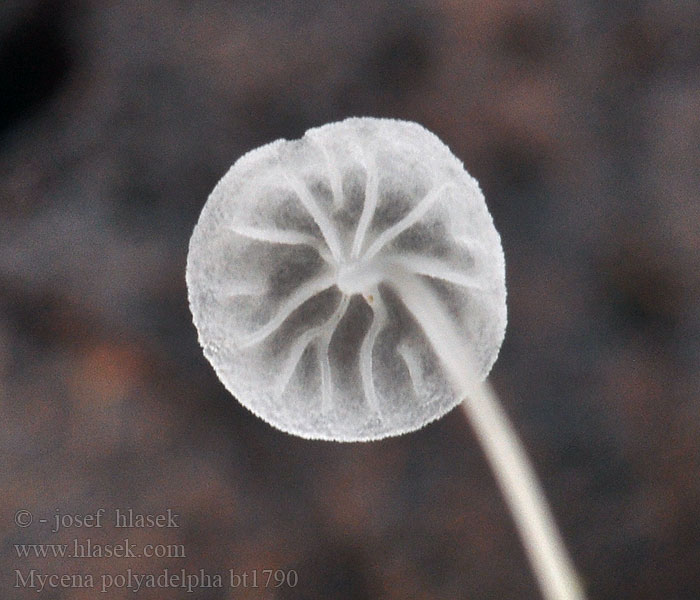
(380, 318)
(435, 268)
(322, 221)
(370, 205)
(303, 293)
(412, 364)
(415, 214)
(325, 331)
(281, 236)
(336, 183)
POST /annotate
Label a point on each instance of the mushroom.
(350, 286)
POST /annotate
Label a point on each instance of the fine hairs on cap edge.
(347, 226)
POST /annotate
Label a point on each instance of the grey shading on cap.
(290, 271)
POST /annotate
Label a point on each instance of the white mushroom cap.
(294, 272)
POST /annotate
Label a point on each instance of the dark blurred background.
(581, 120)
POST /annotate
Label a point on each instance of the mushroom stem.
(504, 451)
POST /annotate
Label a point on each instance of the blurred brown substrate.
(582, 123)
